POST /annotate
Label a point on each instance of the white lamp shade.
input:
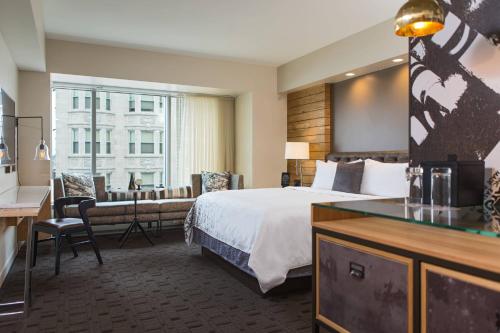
(297, 151)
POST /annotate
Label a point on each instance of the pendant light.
(41, 149)
(42, 152)
(419, 18)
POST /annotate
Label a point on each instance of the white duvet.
(272, 225)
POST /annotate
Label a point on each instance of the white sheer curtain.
(201, 138)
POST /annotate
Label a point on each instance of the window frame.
(149, 173)
(152, 101)
(161, 142)
(97, 101)
(131, 103)
(150, 145)
(75, 102)
(108, 141)
(98, 141)
(107, 180)
(88, 100)
(131, 142)
(87, 150)
(75, 141)
(108, 101)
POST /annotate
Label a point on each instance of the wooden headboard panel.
(382, 156)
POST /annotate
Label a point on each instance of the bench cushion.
(143, 207)
(101, 209)
(175, 205)
(178, 216)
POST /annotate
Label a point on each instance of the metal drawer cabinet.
(469, 303)
(361, 289)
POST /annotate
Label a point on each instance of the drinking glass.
(414, 177)
(441, 187)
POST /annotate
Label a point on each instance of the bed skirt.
(237, 257)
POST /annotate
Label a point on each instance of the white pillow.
(325, 174)
(385, 179)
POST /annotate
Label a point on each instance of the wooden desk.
(18, 204)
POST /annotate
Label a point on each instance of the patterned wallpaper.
(455, 89)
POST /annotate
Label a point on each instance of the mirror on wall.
(7, 129)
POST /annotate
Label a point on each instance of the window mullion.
(167, 138)
(93, 133)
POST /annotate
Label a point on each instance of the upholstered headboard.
(382, 156)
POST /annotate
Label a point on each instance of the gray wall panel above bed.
(371, 112)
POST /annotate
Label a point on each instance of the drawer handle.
(356, 271)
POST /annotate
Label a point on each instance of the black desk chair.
(63, 226)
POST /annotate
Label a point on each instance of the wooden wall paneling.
(308, 115)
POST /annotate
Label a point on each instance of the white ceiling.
(258, 31)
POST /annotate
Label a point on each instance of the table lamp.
(297, 151)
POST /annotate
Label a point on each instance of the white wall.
(8, 237)
(371, 111)
(266, 131)
(360, 51)
(243, 126)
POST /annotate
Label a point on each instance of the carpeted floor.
(165, 288)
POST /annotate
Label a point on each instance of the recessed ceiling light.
(350, 74)
(397, 60)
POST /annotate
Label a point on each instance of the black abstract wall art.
(455, 89)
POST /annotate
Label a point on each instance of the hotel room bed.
(265, 233)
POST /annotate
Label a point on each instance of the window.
(74, 135)
(108, 141)
(120, 146)
(131, 103)
(98, 141)
(108, 101)
(87, 140)
(131, 142)
(88, 96)
(148, 180)
(108, 181)
(97, 101)
(147, 142)
(162, 138)
(161, 103)
(75, 100)
(147, 103)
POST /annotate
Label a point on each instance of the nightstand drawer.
(361, 289)
(469, 303)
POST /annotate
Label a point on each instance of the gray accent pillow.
(78, 185)
(348, 177)
(215, 181)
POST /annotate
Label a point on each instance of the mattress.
(272, 226)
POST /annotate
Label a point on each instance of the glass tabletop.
(468, 219)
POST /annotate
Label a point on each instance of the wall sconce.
(41, 149)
